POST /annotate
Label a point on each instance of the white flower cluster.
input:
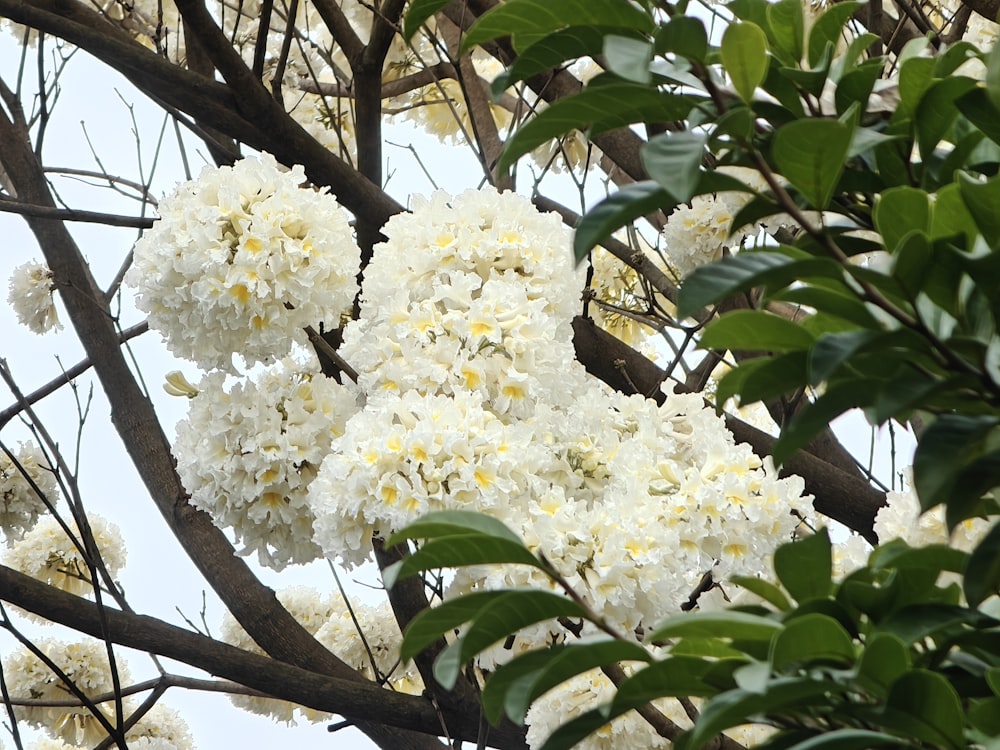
(85, 664)
(49, 555)
(475, 401)
(247, 456)
(20, 502)
(241, 260)
(30, 296)
(901, 518)
(329, 621)
(470, 293)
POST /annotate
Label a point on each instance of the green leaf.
(551, 52)
(763, 378)
(811, 155)
(811, 639)
(755, 330)
(674, 161)
(727, 624)
(515, 686)
(418, 13)
(675, 676)
(827, 29)
(444, 523)
(629, 58)
(787, 28)
(982, 199)
(765, 590)
(601, 108)
(915, 76)
(536, 17)
(982, 576)
(617, 210)
(744, 55)
(993, 76)
(805, 567)
(713, 283)
(899, 211)
(849, 739)
(457, 551)
(834, 349)
(937, 112)
(684, 36)
(431, 624)
(812, 419)
(734, 707)
(885, 658)
(832, 302)
(497, 619)
(945, 448)
(930, 698)
(981, 111)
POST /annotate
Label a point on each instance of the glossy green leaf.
(915, 622)
(850, 739)
(830, 301)
(417, 14)
(497, 619)
(787, 28)
(431, 624)
(513, 687)
(744, 55)
(755, 330)
(728, 624)
(827, 29)
(982, 198)
(538, 17)
(629, 58)
(936, 112)
(674, 161)
(763, 378)
(684, 36)
(834, 349)
(765, 590)
(805, 567)
(809, 640)
(993, 76)
(710, 284)
(600, 108)
(551, 52)
(915, 76)
(982, 576)
(457, 551)
(884, 658)
(983, 113)
(930, 698)
(899, 211)
(675, 676)
(733, 707)
(945, 448)
(617, 210)
(445, 523)
(811, 155)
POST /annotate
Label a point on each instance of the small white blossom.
(31, 297)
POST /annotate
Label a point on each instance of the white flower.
(247, 456)
(48, 554)
(161, 728)
(241, 260)
(20, 502)
(328, 619)
(901, 518)
(85, 664)
(31, 297)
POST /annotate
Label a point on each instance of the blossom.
(248, 455)
(902, 518)
(84, 664)
(162, 728)
(241, 260)
(330, 621)
(31, 297)
(20, 485)
(49, 555)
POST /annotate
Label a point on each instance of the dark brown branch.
(838, 494)
(360, 701)
(10, 205)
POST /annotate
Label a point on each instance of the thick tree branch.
(360, 701)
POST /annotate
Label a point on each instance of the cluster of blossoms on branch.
(468, 396)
